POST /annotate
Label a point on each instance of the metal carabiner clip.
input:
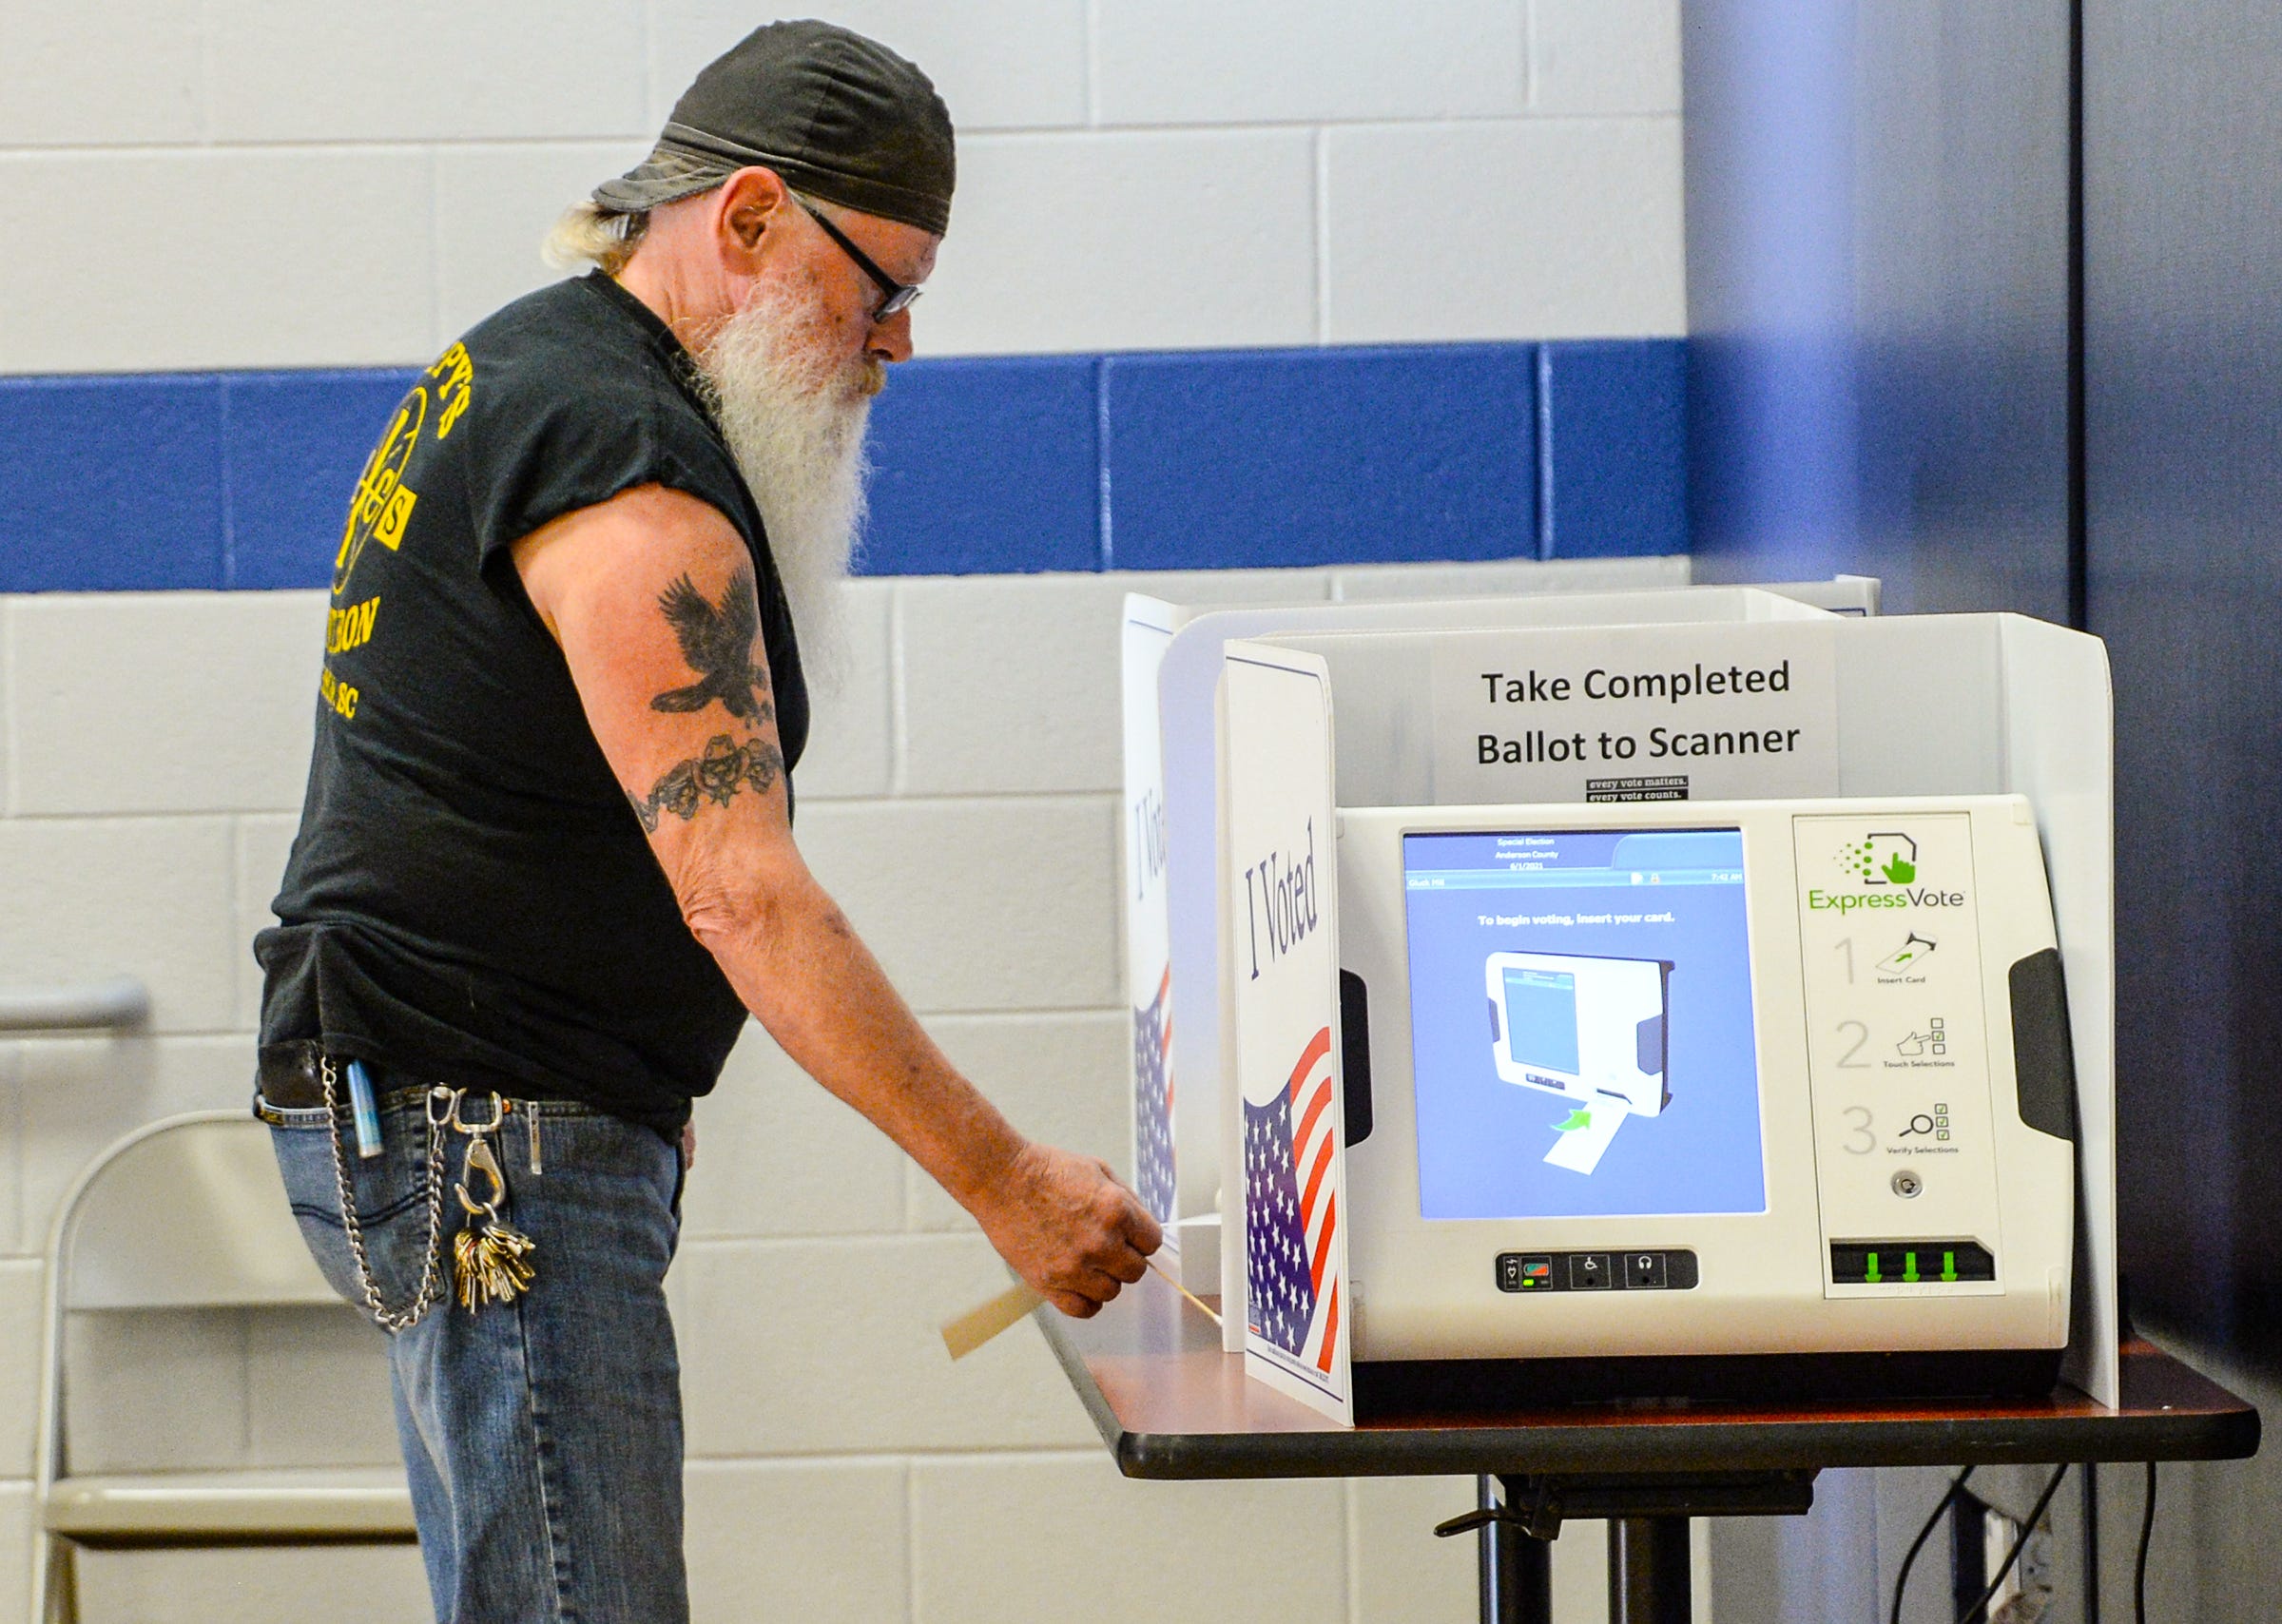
(481, 1160)
(478, 1128)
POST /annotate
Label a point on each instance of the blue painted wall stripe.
(1614, 446)
(986, 465)
(110, 484)
(1321, 457)
(293, 446)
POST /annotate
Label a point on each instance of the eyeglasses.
(896, 297)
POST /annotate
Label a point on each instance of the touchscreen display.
(1580, 1007)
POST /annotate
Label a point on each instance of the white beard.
(795, 424)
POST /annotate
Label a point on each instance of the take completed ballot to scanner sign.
(1636, 713)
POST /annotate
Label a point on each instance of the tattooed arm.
(651, 595)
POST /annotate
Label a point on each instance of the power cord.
(1957, 1484)
(1957, 1487)
(1980, 1609)
(2147, 1530)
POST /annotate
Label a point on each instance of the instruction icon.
(1907, 953)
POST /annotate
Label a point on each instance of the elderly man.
(546, 864)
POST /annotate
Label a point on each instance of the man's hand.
(1068, 1227)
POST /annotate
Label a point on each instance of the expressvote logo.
(1881, 860)
(1884, 867)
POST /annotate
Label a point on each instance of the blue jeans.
(543, 1438)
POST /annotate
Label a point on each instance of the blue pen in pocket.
(365, 1110)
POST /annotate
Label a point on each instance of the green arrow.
(1949, 1265)
(1578, 1118)
(1909, 1269)
(1871, 1275)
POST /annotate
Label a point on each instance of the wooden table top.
(1170, 1403)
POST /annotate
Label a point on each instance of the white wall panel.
(777, 1155)
(493, 204)
(425, 70)
(99, 73)
(16, 1526)
(149, 896)
(1127, 240)
(978, 905)
(1285, 61)
(12, 1233)
(81, 1096)
(806, 1347)
(1266, 1550)
(1605, 56)
(1051, 661)
(1401, 1570)
(997, 64)
(6, 709)
(851, 733)
(1538, 228)
(205, 701)
(285, 248)
(1060, 1078)
(814, 1541)
(232, 258)
(1404, 1572)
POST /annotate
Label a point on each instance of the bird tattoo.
(716, 639)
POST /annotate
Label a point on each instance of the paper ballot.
(984, 1321)
(1581, 1144)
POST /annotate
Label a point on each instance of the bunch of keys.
(487, 1261)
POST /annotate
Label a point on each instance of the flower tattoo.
(726, 767)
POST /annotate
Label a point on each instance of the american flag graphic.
(1293, 1214)
(1152, 1101)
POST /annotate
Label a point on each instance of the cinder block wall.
(251, 184)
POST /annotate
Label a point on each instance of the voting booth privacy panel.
(1656, 987)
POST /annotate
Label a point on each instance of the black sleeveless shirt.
(471, 897)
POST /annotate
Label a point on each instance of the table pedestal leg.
(1517, 1570)
(1649, 1570)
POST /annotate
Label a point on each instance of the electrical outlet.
(1980, 1539)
